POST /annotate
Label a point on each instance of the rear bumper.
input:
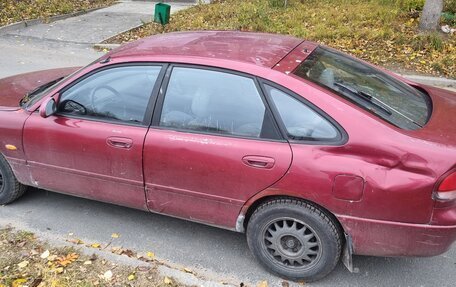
(385, 238)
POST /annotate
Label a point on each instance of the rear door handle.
(258, 161)
(118, 142)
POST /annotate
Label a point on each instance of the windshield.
(373, 90)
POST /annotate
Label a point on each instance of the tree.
(431, 15)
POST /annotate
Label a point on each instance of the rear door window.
(212, 101)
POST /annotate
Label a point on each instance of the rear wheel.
(294, 239)
(10, 188)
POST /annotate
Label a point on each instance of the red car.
(314, 154)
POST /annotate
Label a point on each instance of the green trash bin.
(162, 13)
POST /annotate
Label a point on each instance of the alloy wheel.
(291, 243)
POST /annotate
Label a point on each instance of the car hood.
(14, 88)
(441, 127)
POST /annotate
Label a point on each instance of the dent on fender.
(387, 157)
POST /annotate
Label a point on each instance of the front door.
(93, 146)
(212, 146)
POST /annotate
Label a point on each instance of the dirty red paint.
(387, 206)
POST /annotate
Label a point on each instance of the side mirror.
(48, 108)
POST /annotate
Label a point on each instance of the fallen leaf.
(64, 261)
(131, 277)
(167, 281)
(52, 257)
(188, 270)
(117, 250)
(75, 241)
(21, 244)
(107, 275)
(263, 284)
(23, 264)
(36, 282)
(95, 245)
(115, 235)
(59, 270)
(18, 282)
(127, 252)
(143, 268)
(45, 254)
(151, 255)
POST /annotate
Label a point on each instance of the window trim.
(148, 112)
(342, 137)
(158, 105)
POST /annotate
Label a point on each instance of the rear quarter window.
(377, 92)
(301, 122)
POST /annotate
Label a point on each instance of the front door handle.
(258, 161)
(119, 142)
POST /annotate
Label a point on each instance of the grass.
(12, 11)
(383, 32)
(26, 261)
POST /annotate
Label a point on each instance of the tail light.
(447, 187)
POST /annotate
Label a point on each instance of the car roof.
(261, 49)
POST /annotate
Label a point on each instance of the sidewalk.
(69, 42)
(96, 26)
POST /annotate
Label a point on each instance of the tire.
(10, 188)
(294, 239)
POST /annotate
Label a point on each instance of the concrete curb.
(164, 268)
(432, 81)
(106, 46)
(124, 31)
(32, 22)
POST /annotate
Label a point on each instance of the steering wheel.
(117, 99)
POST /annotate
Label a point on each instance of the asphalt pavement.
(214, 253)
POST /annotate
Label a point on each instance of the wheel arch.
(19, 168)
(250, 207)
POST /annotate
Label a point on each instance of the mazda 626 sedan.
(314, 154)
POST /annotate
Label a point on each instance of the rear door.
(213, 145)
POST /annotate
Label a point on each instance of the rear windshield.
(371, 89)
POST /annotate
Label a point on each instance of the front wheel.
(10, 188)
(294, 239)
